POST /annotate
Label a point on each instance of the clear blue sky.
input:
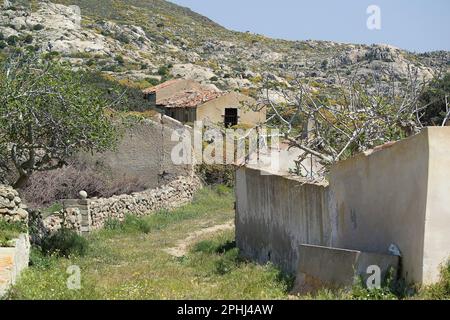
(415, 25)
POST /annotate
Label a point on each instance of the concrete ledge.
(333, 268)
(12, 262)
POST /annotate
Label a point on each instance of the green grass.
(127, 261)
(10, 231)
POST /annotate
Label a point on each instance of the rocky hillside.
(147, 41)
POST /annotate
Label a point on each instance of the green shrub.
(122, 38)
(119, 59)
(10, 231)
(28, 39)
(39, 260)
(113, 224)
(222, 190)
(152, 81)
(38, 27)
(216, 174)
(133, 223)
(228, 262)
(441, 289)
(12, 40)
(3, 45)
(65, 243)
(164, 70)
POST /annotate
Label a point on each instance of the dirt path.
(183, 245)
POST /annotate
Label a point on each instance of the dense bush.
(46, 188)
(12, 40)
(65, 243)
(434, 96)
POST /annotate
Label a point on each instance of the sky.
(414, 25)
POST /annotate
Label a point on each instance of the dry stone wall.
(11, 206)
(170, 196)
(85, 215)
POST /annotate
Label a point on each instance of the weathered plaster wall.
(144, 154)
(275, 215)
(214, 110)
(381, 199)
(437, 222)
(396, 194)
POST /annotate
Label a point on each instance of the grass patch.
(127, 260)
(440, 290)
(65, 243)
(10, 231)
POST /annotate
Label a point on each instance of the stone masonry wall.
(170, 196)
(11, 206)
(91, 214)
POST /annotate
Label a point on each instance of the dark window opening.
(231, 117)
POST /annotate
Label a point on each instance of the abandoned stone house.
(188, 101)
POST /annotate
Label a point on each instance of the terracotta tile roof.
(161, 86)
(189, 98)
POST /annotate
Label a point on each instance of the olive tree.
(48, 113)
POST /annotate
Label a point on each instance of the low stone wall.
(85, 215)
(11, 206)
(12, 262)
(170, 196)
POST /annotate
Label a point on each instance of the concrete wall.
(437, 223)
(275, 215)
(144, 153)
(13, 261)
(214, 110)
(381, 200)
(397, 194)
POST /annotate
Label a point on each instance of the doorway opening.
(231, 117)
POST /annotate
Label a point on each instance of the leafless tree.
(356, 114)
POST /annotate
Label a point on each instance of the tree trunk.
(21, 182)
